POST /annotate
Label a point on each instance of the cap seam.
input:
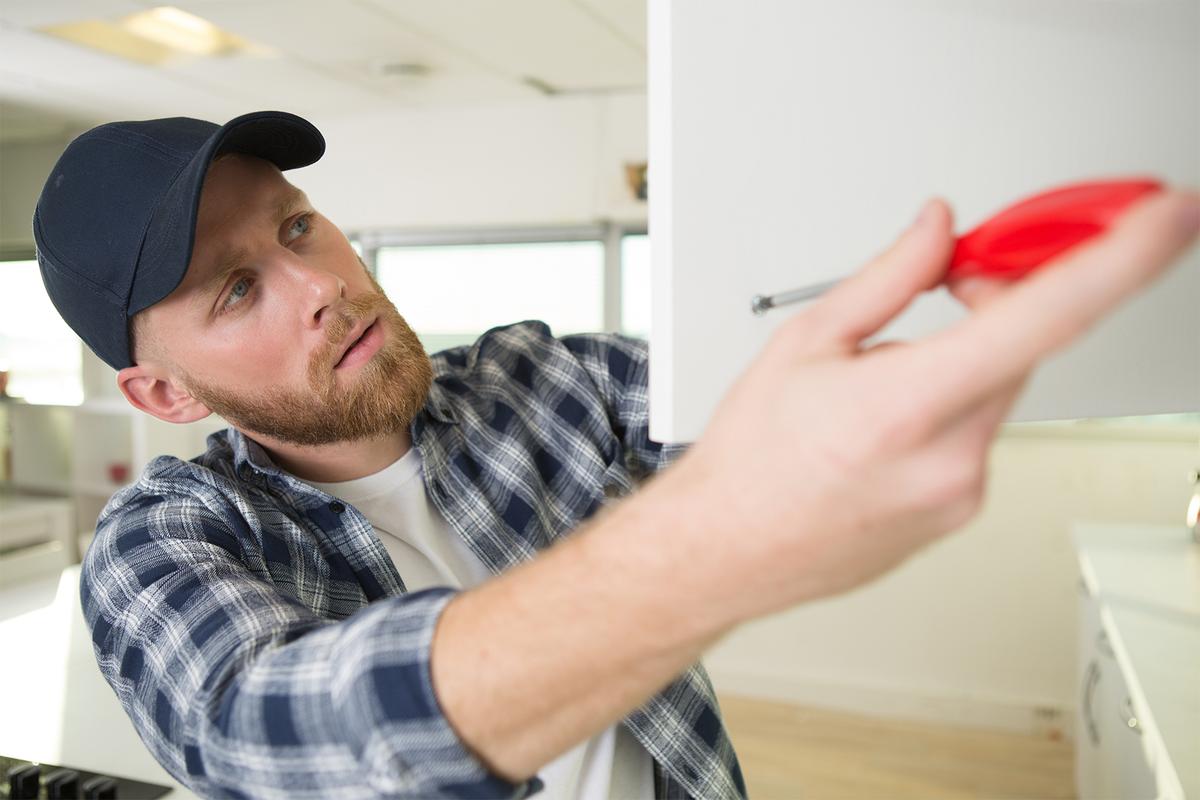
(143, 139)
(87, 283)
(60, 264)
(137, 258)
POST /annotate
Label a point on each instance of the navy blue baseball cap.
(116, 220)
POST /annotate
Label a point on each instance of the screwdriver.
(1020, 238)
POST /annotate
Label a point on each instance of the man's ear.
(153, 391)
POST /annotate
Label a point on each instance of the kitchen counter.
(57, 707)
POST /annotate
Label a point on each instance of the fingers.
(866, 301)
(1045, 311)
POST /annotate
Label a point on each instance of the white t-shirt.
(427, 552)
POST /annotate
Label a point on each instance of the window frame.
(607, 233)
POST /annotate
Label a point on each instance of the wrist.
(665, 544)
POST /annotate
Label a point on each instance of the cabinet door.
(1110, 754)
(791, 141)
(1095, 772)
(1126, 750)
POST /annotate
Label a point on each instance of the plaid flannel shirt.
(261, 640)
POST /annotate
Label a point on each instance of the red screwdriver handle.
(1025, 235)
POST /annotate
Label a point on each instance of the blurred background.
(489, 162)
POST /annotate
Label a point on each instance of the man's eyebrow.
(291, 202)
(231, 260)
(230, 263)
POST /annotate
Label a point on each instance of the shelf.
(97, 489)
(108, 405)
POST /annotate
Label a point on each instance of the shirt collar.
(439, 403)
(248, 454)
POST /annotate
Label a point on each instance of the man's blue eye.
(300, 226)
(240, 289)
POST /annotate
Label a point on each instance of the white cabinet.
(1110, 755)
(790, 142)
(1138, 719)
(111, 444)
(88, 452)
(36, 536)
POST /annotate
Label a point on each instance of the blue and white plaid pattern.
(260, 638)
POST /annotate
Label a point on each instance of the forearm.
(538, 660)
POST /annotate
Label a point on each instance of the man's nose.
(319, 287)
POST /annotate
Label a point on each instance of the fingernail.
(925, 216)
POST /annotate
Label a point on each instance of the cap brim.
(284, 139)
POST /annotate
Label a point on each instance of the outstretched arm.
(778, 502)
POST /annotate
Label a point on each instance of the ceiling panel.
(250, 83)
(354, 51)
(36, 13)
(58, 74)
(331, 56)
(321, 30)
(626, 17)
(554, 41)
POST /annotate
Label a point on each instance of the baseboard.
(971, 711)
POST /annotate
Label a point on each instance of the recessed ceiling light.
(154, 36)
(179, 30)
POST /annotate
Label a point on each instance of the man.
(293, 614)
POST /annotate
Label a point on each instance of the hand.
(829, 462)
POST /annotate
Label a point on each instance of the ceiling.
(323, 58)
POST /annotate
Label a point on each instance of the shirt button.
(336, 507)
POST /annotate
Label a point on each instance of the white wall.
(979, 629)
(557, 161)
(542, 162)
(24, 167)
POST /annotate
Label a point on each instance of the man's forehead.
(237, 186)
(217, 249)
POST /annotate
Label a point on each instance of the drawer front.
(24, 530)
(1111, 756)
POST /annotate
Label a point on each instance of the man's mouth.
(367, 333)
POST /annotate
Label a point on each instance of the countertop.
(57, 707)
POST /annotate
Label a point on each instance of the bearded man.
(397, 575)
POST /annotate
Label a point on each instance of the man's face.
(262, 329)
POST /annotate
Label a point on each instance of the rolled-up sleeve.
(240, 690)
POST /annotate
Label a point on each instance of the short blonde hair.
(142, 344)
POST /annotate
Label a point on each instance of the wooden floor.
(791, 752)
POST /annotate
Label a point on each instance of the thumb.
(860, 305)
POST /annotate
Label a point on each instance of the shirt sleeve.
(619, 366)
(240, 690)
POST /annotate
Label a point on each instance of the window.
(37, 349)
(450, 294)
